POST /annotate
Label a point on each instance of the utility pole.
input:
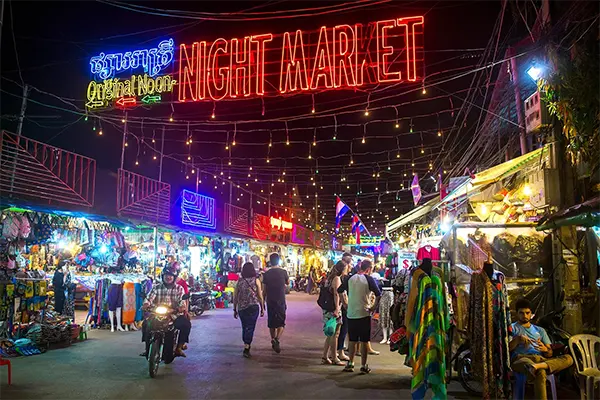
(23, 108)
(160, 168)
(518, 101)
(1, 21)
(19, 131)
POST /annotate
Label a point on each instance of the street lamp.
(535, 72)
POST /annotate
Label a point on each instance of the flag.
(357, 227)
(415, 188)
(340, 210)
(468, 172)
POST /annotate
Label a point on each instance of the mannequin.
(387, 300)
(115, 304)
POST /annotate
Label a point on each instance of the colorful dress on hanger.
(488, 327)
(129, 303)
(427, 322)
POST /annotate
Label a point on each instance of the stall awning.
(509, 168)
(413, 215)
(585, 214)
(482, 179)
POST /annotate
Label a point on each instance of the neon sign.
(101, 93)
(154, 60)
(344, 56)
(198, 210)
(280, 224)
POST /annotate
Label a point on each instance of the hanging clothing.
(385, 304)
(427, 322)
(139, 301)
(488, 328)
(129, 303)
(428, 251)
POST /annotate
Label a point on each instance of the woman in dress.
(333, 282)
(247, 303)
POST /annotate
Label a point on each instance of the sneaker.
(349, 368)
(365, 369)
(276, 346)
(246, 353)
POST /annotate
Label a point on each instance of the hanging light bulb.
(422, 150)
(397, 125)
(154, 157)
(309, 157)
(136, 162)
(126, 144)
(213, 116)
(398, 155)
(313, 110)
(412, 164)
(268, 161)
(171, 118)
(123, 120)
(367, 112)
(439, 133)
(363, 140)
(100, 132)
(194, 171)
(189, 158)
(287, 142)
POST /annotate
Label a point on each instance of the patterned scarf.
(427, 339)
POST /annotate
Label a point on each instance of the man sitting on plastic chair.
(531, 351)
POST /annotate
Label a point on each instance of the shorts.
(359, 330)
(276, 315)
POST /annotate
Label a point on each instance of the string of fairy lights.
(303, 186)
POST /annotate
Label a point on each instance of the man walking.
(275, 281)
(359, 288)
(531, 351)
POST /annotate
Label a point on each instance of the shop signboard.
(343, 56)
(111, 84)
(261, 226)
(280, 224)
(406, 259)
(365, 241)
(198, 210)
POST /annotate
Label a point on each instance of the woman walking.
(247, 303)
(332, 283)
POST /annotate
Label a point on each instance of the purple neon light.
(198, 210)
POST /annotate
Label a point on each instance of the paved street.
(107, 366)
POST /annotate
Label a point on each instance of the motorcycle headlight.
(161, 310)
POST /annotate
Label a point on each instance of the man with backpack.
(359, 288)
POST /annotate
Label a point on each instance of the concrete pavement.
(107, 366)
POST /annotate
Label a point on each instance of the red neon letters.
(388, 51)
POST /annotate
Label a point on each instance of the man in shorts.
(359, 288)
(275, 281)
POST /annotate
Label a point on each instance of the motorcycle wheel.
(154, 358)
(169, 348)
(466, 375)
(200, 311)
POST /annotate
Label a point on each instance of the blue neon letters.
(198, 210)
(154, 60)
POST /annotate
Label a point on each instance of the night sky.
(55, 40)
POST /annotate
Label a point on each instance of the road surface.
(107, 366)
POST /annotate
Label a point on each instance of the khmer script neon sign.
(343, 56)
(153, 61)
(107, 88)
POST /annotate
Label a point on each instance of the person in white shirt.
(359, 288)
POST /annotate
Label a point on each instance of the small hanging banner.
(416, 189)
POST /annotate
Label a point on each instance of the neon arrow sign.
(343, 56)
(126, 102)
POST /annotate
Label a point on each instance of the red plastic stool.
(4, 361)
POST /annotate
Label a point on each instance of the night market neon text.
(388, 51)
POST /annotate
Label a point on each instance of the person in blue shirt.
(531, 350)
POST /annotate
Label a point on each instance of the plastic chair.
(587, 366)
(521, 380)
(4, 361)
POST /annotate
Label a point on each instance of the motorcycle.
(462, 363)
(200, 302)
(300, 285)
(162, 339)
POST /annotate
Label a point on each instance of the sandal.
(348, 368)
(326, 361)
(339, 362)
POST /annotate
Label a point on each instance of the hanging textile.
(427, 322)
(129, 303)
(488, 330)
(139, 301)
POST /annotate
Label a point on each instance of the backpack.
(326, 299)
